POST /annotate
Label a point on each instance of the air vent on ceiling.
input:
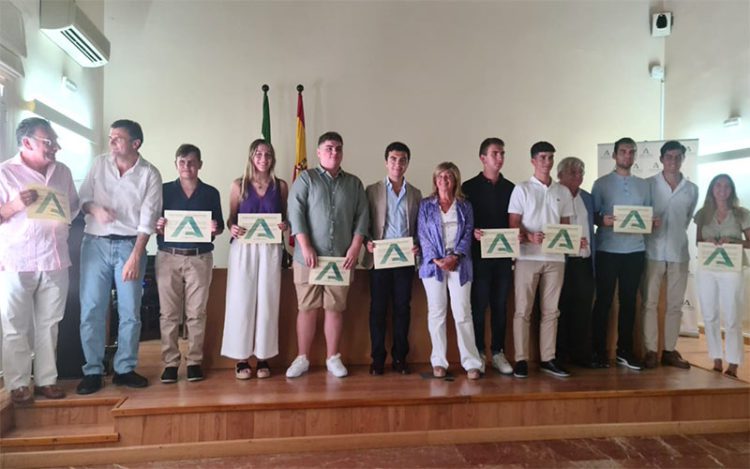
(67, 26)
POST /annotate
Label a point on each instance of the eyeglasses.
(47, 142)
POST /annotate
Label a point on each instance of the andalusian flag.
(301, 161)
(266, 126)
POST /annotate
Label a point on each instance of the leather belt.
(185, 252)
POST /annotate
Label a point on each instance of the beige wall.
(707, 60)
(440, 76)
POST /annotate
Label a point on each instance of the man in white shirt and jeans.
(122, 199)
(674, 199)
(34, 261)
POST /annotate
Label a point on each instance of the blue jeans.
(102, 261)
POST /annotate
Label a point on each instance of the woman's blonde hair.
(455, 172)
(249, 175)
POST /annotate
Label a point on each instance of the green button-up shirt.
(330, 211)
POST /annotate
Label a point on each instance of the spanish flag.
(301, 161)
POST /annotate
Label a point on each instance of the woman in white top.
(722, 221)
(445, 226)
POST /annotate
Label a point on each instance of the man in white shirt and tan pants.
(34, 260)
(122, 199)
(674, 199)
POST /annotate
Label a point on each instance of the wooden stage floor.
(222, 416)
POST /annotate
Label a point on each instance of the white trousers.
(251, 320)
(721, 295)
(437, 311)
(32, 304)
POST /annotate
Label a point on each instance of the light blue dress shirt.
(396, 225)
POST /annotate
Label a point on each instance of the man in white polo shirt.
(533, 204)
(674, 199)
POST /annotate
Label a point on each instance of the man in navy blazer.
(577, 296)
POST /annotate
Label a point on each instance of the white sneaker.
(501, 364)
(299, 366)
(335, 367)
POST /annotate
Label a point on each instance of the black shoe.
(195, 373)
(521, 370)
(400, 366)
(598, 360)
(553, 368)
(89, 384)
(169, 375)
(376, 369)
(130, 379)
(628, 361)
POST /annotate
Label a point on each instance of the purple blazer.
(430, 235)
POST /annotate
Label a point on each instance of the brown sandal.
(263, 370)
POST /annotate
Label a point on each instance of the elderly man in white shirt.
(122, 199)
(34, 259)
(674, 199)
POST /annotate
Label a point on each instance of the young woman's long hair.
(709, 205)
(249, 175)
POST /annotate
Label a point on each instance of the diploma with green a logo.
(396, 252)
(499, 243)
(726, 257)
(330, 271)
(187, 226)
(634, 219)
(262, 228)
(49, 205)
(562, 239)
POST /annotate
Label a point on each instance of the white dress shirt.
(136, 196)
(669, 242)
(28, 244)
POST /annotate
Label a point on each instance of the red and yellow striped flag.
(301, 161)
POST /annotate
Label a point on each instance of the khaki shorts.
(328, 297)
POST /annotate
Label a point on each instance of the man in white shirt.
(122, 198)
(674, 199)
(534, 204)
(34, 259)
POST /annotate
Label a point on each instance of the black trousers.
(394, 286)
(624, 270)
(491, 284)
(576, 298)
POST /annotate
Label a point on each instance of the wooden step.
(59, 435)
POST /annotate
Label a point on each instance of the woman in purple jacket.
(444, 227)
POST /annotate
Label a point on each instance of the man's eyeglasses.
(47, 142)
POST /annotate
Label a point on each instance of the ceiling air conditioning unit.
(68, 27)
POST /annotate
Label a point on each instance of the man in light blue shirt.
(394, 204)
(619, 256)
(667, 255)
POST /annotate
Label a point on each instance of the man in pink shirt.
(34, 259)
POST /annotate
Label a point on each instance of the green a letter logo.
(723, 258)
(398, 254)
(56, 208)
(499, 244)
(261, 227)
(561, 239)
(633, 220)
(330, 272)
(188, 222)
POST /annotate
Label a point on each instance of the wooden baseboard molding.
(234, 448)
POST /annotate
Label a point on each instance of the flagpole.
(265, 128)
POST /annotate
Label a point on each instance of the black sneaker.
(89, 384)
(376, 369)
(554, 369)
(169, 375)
(400, 366)
(628, 361)
(194, 373)
(521, 370)
(130, 379)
